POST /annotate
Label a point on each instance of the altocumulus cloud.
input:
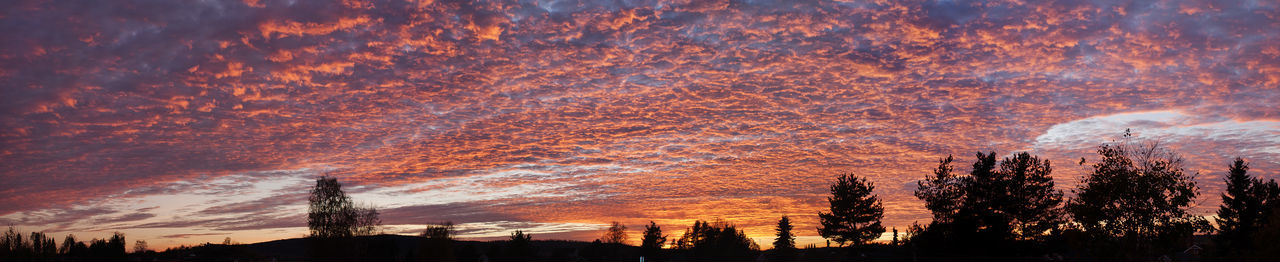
(541, 114)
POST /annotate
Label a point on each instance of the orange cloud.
(669, 111)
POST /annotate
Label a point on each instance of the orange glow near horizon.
(184, 123)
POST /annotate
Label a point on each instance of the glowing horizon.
(185, 123)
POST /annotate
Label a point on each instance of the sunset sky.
(185, 122)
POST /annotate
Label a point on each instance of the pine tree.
(1246, 208)
(785, 240)
(719, 241)
(855, 213)
(1237, 216)
(520, 248)
(996, 204)
(652, 241)
(942, 192)
(895, 237)
(980, 215)
(1032, 203)
(784, 246)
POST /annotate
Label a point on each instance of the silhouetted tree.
(784, 244)
(74, 250)
(1244, 211)
(980, 218)
(784, 239)
(42, 247)
(140, 246)
(611, 242)
(652, 242)
(98, 248)
(718, 241)
(521, 247)
(1030, 200)
(1135, 202)
(997, 204)
(942, 193)
(333, 220)
(68, 243)
(895, 237)
(12, 245)
(615, 234)
(367, 222)
(112, 249)
(437, 243)
(331, 214)
(1238, 214)
(439, 231)
(691, 235)
(855, 212)
(38, 247)
(117, 243)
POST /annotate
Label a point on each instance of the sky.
(185, 122)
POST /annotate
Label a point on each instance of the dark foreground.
(413, 248)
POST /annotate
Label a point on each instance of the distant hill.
(410, 248)
(393, 248)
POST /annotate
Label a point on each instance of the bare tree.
(332, 214)
(616, 234)
(439, 231)
(367, 221)
(437, 243)
(1136, 201)
(140, 247)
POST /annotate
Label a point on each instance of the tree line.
(1132, 206)
(40, 247)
